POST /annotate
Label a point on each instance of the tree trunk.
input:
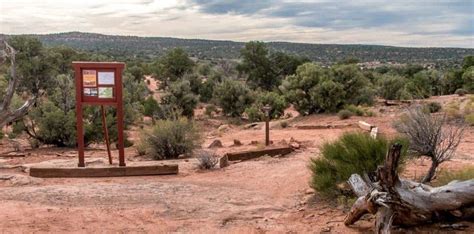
(430, 174)
(407, 203)
(7, 115)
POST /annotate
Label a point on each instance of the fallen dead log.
(406, 203)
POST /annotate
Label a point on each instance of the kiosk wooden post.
(99, 84)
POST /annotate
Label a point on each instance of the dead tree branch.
(403, 202)
(430, 136)
(6, 114)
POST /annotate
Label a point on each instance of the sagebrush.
(169, 139)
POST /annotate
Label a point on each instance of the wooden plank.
(365, 126)
(79, 172)
(12, 155)
(245, 155)
(151, 170)
(309, 127)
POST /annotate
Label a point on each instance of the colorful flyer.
(89, 78)
(106, 78)
(92, 92)
(106, 92)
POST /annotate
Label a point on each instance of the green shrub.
(433, 107)
(284, 124)
(272, 99)
(344, 114)
(233, 97)
(460, 92)
(469, 119)
(169, 139)
(150, 106)
(445, 176)
(315, 89)
(181, 98)
(355, 110)
(370, 113)
(12, 135)
(210, 109)
(352, 153)
(254, 114)
(34, 143)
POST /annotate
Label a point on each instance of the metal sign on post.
(99, 84)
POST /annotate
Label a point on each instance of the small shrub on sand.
(469, 119)
(284, 124)
(344, 114)
(355, 110)
(460, 92)
(433, 107)
(169, 139)
(207, 160)
(446, 176)
(352, 153)
(210, 110)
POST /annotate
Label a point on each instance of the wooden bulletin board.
(100, 84)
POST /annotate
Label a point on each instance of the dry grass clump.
(446, 176)
(207, 160)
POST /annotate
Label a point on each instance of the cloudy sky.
(424, 23)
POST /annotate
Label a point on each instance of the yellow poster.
(89, 78)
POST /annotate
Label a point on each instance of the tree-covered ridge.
(151, 47)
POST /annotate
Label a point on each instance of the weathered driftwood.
(6, 114)
(407, 203)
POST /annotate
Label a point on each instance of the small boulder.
(237, 142)
(223, 128)
(216, 144)
(254, 143)
(295, 145)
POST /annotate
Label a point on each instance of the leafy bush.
(233, 97)
(433, 107)
(468, 79)
(53, 125)
(314, 89)
(254, 113)
(169, 139)
(355, 110)
(344, 114)
(207, 160)
(150, 107)
(460, 92)
(181, 98)
(352, 153)
(210, 109)
(446, 176)
(272, 99)
(392, 87)
(469, 119)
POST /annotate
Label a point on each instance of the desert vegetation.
(177, 103)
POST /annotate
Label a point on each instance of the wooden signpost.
(99, 84)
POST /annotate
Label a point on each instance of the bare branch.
(6, 115)
(430, 136)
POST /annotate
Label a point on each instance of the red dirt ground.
(255, 196)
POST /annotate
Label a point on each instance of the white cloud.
(429, 25)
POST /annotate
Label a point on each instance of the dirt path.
(263, 195)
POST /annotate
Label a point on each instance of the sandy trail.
(262, 195)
